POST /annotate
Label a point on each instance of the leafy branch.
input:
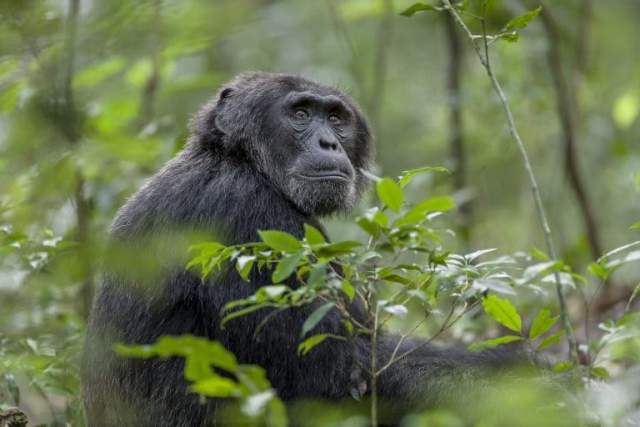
(482, 52)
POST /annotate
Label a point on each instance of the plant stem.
(374, 374)
(486, 63)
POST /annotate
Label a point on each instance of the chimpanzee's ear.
(220, 111)
(225, 93)
(208, 125)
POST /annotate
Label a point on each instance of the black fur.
(227, 182)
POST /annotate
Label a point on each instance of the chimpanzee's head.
(307, 139)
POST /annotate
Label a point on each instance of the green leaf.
(478, 346)
(635, 226)
(280, 241)
(313, 235)
(551, 340)
(600, 372)
(217, 386)
(339, 248)
(315, 317)
(243, 312)
(390, 193)
(520, 22)
(244, 264)
(503, 312)
(408, 175)
(598, 270)
(542, 323)
(418, 7)
(307, 345)
(512, 37)
(348, 289)
(562, 366)
(200, 354)
(419, 212)
(368, 226)
(286, 266)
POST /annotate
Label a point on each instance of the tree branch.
(513, 130)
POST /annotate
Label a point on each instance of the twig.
(486, 63)
(403, 337)
(374, 374)
(443, 328)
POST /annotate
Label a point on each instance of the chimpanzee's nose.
(330, 144)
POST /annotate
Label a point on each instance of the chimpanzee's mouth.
(326, 176)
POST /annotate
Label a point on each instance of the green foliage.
(390, 194)
(542, 323)
(522, 21)
(419, 7)
(503, 312)
(249, 383)
(139, 73)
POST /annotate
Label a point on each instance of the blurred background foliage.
(95, 95)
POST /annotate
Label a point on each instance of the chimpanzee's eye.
(301, 114)
(334, 119)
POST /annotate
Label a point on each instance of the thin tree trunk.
(565, 106)
(385, 35)
(81, 201)
(456, 137)
(584, 36)
(150, 89)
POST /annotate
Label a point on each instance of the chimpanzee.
(269, 152)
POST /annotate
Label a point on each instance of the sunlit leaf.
(551, 340)
(348, 289)
(520, 22)
(244, 264)
(418, 7)
(419, 212)
(598, 270)
(313, 235)
(503, 312)
(390, 193)
(280, 240)
(477, 254)
(408, 175)
(217, 386)
(542, 323)
(307, 345)
(286, 266)
(339, 248)
(600, 372)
